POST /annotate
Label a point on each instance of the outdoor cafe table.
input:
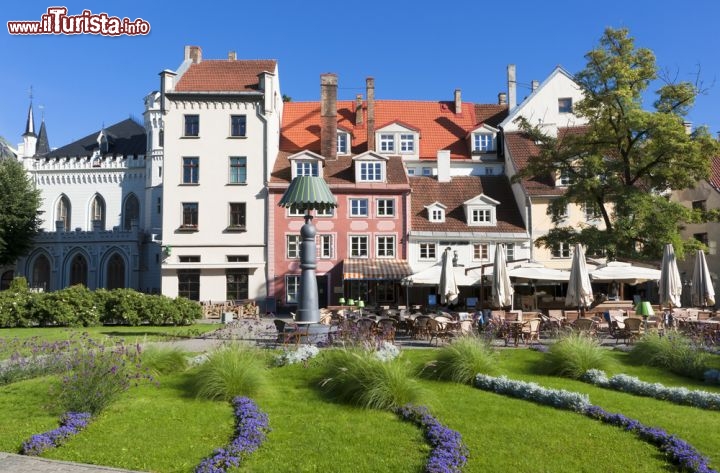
(514, 330)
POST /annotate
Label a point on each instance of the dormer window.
(370, 167)
(387, 143)
(343, 143)
(436, 212)
(483, 142)
(398, 138)
(480, 211)
(306, 168)
(306, 163)
(481, 216)
(564, 179)
(407, 143)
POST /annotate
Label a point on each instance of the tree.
(19, 216)
(626, 160)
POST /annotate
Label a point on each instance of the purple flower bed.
(679, 451)
(449, 453)
(70, 424)
(251, 427)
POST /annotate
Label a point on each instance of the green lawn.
(164, 429)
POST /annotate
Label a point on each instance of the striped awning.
(375, 269)
(308, 193)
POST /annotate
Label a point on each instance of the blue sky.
(414, 51)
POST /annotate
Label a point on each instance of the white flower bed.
(387, 352)
(301, 355)
(534, 392)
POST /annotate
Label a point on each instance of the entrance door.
(322, 291)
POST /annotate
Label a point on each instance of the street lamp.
(307, 193)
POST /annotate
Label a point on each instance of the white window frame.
(427, 247)
(325, 246)
(292, 281)
(483, 249)
(371, 171)
(387, 142)
(359, 254)
(410, 171)
(407, 143)
(292, 246)
(353, 208)
(387, 251)
(591, 211)
(510, 251)
(481, 216)
(561, 250)
(562, 101)
(483, 142)
(343, 143)
(436, 214)
(381, 207)
(306, 168)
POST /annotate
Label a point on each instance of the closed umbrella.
(448, 286)
(579, 292)
(670, 285)
(702, 291)
(502, 290)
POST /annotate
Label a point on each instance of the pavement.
(12, 463)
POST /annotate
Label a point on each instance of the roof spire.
(43, 145)
(30, 125)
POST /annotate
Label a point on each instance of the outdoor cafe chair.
(438, 330)
(633, 327)
(585, 326)
(531, 330)
(386, 329)
(365, 328)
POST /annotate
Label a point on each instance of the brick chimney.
(502, 98)
(370, 92)
(458, 102)
(194, 53)
(358, 110)
(328, 116)
(232, 56)
(512, 87)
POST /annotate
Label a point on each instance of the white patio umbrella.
(502, 290)
(702, 291)
(449, 291)
(579, 291)
(670, 285)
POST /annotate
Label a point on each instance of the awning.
(375, 269)
(624, 272)
(431, 276)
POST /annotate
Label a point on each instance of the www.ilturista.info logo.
(57, 21)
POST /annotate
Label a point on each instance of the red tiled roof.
(224, 75)
(427, 190)
(440, 128)
(521, 147)
(714, 178)
(490, 114)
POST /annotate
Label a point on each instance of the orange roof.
(216, 75)
(714, 178)
(440, 127)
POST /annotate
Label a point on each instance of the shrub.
(358, 377)
(462, 360)
(15, 305)
(164, 360)
(72, 306)
(187, 311)
(231, 370)
(574, 354)
(123, 306)
(674, 352)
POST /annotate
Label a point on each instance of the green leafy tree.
(19, 216)
(625, 161)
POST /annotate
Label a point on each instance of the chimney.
(193, 53)
(370, 92)
(358, 110)
(458, 102)
(443, 165)
(328, 116)
(688, 127)
(534, 85)
(232, 56)
(502, 98)
(512, 87)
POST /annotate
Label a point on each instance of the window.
(342, 143)
(699, 205)
(237, 215)
(481, 216)
(385, 291)
(306, 168)
(325, 212)
(480, 251)
(238, 258)
(510, 251)
(131, 211)
(190, 215)
(78, 270)
(292, 288)
(591, 211)
(385, 247)
(359, 246)
(560, 250)
(427, 171)
(437, 215)
(192, 125)
(358, 207)
(565, 178)
(386, 207)
(189, 283)
(159, 205)
(387, 143)
(407, 143)
(371, 171)
(97, 212)
(238, 125)
(702, 238)
(483, 142)
(191, 170)
(292, 246)
(428, 251)
(41, 273)
(189, 259)
(565, 105)
(326, 246)
(411, 171)
(238, 170)
(63, 213)
(236, 284)
(161, 138)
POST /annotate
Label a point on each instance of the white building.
(219, 130)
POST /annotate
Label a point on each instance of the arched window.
(6, 279)
(41, 273)
(78, 270)
(131, 211)
(97, 212)
(115, 272)
(62, 213)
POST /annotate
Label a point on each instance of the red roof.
(427, 190)
(521, 147)
(714, 178)
(224, 75)
(439, 126)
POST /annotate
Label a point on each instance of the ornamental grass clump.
(359, 377)
(251, 427)
(575, 354)
(231, 370)
(460, 361)
(70, 424)
(674, 352)
(164, 360)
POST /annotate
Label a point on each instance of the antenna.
(30, 93)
